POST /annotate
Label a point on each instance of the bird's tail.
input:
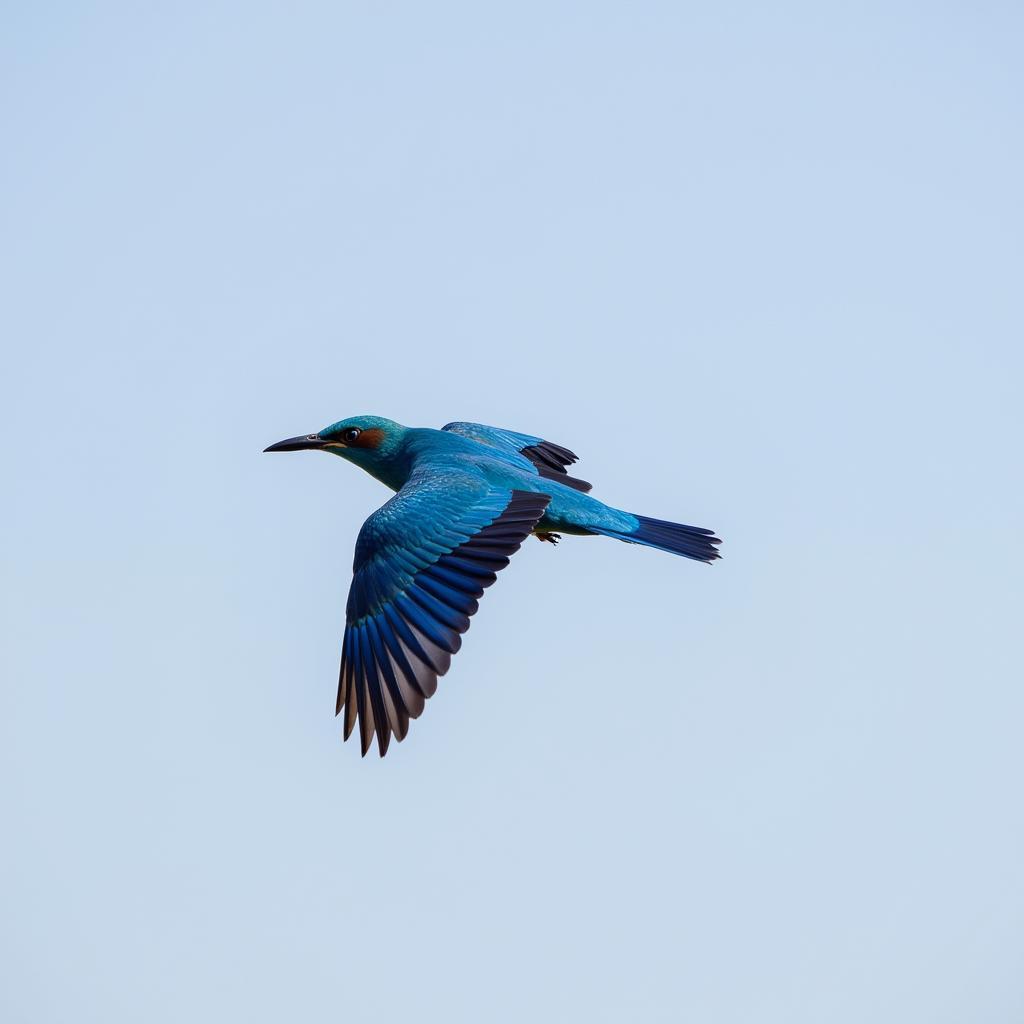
(689, 541)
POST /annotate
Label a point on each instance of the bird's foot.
(551, 538)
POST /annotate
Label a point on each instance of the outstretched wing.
(422, 562)
(549, 460)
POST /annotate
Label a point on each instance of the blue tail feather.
(677, 539)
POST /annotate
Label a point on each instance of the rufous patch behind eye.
(370, 438)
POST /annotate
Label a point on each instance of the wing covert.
(549, 460)
(422, 562)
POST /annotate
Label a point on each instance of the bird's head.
(369, 441)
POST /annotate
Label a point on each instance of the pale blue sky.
(760, 265)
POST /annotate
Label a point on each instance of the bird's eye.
(351, 434)
(312, 437)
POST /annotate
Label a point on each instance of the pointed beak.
(309, 442)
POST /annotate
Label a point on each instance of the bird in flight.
(467, 496)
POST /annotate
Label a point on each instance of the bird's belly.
(556, 525)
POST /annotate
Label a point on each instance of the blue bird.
(468, 496)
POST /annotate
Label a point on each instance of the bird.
(467, 496)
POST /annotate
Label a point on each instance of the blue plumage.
(467, 497)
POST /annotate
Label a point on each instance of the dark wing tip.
(561, 477)
(550, 461)
(550, 456)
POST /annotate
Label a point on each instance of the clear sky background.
(760, 265)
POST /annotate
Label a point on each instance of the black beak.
(298, 444)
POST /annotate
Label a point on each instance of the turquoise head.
(372, 442)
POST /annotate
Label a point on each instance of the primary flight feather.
(468, 496)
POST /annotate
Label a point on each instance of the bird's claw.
(551, 538)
